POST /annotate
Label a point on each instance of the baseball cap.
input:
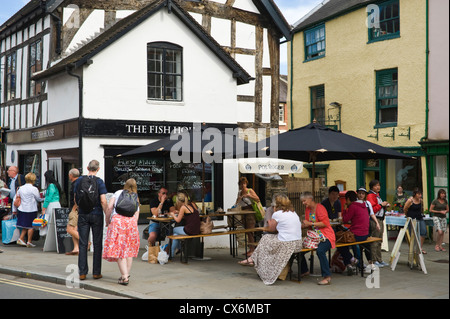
(362, 189)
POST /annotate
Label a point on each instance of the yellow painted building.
(361, 66)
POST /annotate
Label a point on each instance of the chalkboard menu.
(148, 173)
(64, 241)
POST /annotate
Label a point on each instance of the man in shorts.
(160, 205)
(72, 225)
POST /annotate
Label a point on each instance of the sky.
(293, 10)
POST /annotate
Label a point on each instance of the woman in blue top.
(52, 195)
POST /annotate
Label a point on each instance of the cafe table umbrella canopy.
(317, 143)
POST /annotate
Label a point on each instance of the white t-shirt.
(289, 226)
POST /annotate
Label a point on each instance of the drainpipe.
(427, 67)
(69, 70)
(292, 80)
(427, 95)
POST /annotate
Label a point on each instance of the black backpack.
(87, 193)
(127, 204)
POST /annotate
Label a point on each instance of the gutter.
(69, 70)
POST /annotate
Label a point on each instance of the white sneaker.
(369, 268)
(384, 263)
(31, 245)
(20, 242)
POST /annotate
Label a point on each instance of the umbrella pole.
(314, 178)
(203, 188)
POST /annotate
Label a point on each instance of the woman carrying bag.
(27, 209)
(246, 199)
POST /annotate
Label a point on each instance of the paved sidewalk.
(222, 278)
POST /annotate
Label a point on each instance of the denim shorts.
(153, 227)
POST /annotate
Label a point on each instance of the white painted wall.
(62, 98)
(118, 78)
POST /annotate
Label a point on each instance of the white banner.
(269, 166)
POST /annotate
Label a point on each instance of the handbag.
(39, 222)
(345, 236)
(259, 210)
(206, 226)
(10, 233)
(311, 240)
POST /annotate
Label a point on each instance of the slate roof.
(330, 10)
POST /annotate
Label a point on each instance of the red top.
(322, 216)
(358, 214)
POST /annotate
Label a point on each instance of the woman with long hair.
(52, 195)
(122, 237)
(187, 220)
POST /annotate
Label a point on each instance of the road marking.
(45, 289)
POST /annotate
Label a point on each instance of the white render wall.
(119, 76)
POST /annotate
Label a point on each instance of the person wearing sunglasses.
(160, 205)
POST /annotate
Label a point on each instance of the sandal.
(424, 252)
(123, 281)
(437, 248)
(246, 262)
(325, 281)
(443, 249)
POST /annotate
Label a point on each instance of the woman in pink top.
(357, 213)
(316, 218)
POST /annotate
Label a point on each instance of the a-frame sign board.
(415, 255)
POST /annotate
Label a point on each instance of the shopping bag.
(153, 252)
(10, 233)
(259, 210)
(163, 257)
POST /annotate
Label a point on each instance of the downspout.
(292, 81)
(69, 70)
(427, 97)
(427, 71)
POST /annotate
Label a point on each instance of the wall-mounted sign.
(144, 129)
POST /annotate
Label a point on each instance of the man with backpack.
(90, 197)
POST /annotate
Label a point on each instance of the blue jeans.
(176, 243)
(86, 222)
(321, 251)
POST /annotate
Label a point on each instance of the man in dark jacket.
(15, 180)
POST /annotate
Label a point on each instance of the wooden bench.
(182, 238)
(299, 255)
